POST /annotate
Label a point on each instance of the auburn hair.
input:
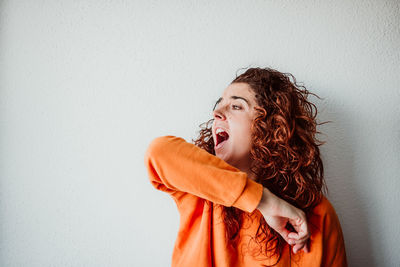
(285, 152)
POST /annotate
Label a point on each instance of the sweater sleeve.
(175, 165)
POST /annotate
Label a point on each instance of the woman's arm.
(176, 166)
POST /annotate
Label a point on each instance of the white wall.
(86, 85)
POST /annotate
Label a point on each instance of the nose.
(219, 114)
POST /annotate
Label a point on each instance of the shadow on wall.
(345, 190)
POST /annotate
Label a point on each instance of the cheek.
(243, 130)
(247, 133)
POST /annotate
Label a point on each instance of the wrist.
(268, 202)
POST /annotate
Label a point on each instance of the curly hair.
(285, 152)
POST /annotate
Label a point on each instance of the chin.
(222, 156)
(226, 158)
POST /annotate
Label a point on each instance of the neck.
(245, 167)
(250, 174)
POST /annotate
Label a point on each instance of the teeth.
(219, 130)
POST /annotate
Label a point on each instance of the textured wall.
(85, 86)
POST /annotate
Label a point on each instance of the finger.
(292, 241)
(295, 236)
(299, 219)
(302, 232)
(297, 247)
(306, 249)
(298, 241)
(284, 233)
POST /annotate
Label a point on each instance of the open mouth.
(222, 136)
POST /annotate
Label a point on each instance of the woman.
(249, 190)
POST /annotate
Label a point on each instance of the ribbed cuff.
(250, 197)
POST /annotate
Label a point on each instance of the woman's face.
(233, 114)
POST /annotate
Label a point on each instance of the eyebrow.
(233, 97)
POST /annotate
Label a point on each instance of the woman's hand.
(277, 213)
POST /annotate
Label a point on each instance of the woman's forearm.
(176, 165)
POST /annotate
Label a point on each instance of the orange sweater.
(197, 181)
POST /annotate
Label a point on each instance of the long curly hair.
(285, 152)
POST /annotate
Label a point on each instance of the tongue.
(221, 137)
